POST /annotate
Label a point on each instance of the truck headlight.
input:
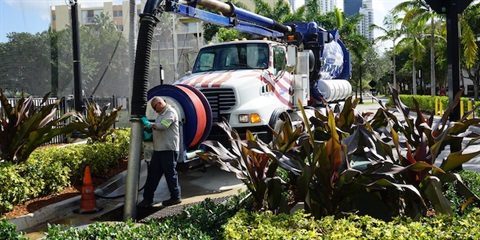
(243, 118)
(249, 118)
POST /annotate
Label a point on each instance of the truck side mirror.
(291, 56)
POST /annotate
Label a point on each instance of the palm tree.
(312, 8)
(413, 41)
(103, 21)
(419, 12)
(391, 33)
(470, 29)
(280, 12)
(357, 44)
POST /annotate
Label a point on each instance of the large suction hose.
(142, 64)
(139, 102)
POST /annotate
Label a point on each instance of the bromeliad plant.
(329, 183)
(98, 123)
(256, 165)
(352, 162)
(424, 140)
(25, 127)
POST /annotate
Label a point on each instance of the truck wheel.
(337, 108)
(276, 122)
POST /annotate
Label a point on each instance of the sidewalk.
(196, 186)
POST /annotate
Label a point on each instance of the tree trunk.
(394, 67)
(475, 77)
(414, 78)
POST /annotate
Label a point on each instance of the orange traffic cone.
(88, 203)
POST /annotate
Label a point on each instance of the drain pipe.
(148, 21)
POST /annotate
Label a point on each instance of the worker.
(166, 140)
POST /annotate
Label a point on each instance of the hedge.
(427, 103)
(51, 169)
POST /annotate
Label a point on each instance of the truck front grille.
(221, 100)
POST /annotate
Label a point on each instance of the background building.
(60, 15)
(327, 6)
(364, 7)
(364, 26)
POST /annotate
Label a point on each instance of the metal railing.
(66, 105)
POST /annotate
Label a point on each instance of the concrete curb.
(46, 214)
(66, 207)
(59, 209)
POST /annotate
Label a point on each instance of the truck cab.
(245, 82)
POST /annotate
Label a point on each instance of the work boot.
(145, 203)
(171, 202)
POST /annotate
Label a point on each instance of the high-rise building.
(364, 7)
(327, 6)
(292, 4)
(364, 26)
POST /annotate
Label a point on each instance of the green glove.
(147, 136)
(145, 121)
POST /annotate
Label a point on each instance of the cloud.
(36, 8)
(381, 9)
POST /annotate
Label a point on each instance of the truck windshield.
(232, 56)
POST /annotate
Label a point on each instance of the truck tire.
(276, 121)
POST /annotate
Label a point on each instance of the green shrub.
(45, 177)
(50, 169)
(472, 181)
(100, 156)
(9, 231)
(202, 221)
(13, 187)
(254, 225)
(427, 103)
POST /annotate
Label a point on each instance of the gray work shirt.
(166, 137)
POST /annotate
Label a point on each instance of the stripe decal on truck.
(281, 88)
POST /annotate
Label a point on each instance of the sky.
(33, 16)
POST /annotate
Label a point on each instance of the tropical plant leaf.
(26, 127)
(433, 191)
(456, 159)
(98, 123)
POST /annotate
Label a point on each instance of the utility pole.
(77, 67)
